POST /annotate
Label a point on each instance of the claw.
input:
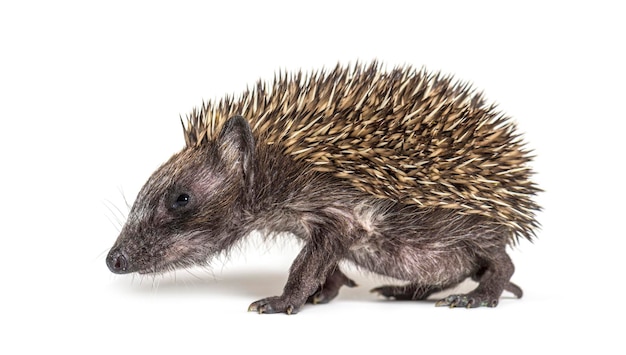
(441, 303)
(316, 299)
(273, 305)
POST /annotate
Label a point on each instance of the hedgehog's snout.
(117, 261)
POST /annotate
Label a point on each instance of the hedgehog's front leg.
(308, 272)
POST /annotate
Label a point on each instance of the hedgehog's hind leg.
(493, 279)
(330, 289)
(408, 292)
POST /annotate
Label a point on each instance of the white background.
(90, 96)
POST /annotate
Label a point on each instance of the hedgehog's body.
(403, 173)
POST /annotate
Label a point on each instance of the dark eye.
(181, 201)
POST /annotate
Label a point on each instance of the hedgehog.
(405, 173)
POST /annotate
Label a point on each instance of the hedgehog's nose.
(117, 262)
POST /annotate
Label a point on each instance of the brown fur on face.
(158, 235)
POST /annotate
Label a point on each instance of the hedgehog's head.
(188, 209)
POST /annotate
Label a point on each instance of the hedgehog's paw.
(277, 304)
(470, 300)
(330, 289)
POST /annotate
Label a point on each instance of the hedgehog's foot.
(313, 266)
(406, 292)
(470, 300)
(277, 304)
(330, 288)
(493, 279)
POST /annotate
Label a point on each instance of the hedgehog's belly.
(408, 250)
(432, 266)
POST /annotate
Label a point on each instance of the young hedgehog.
(404, 173)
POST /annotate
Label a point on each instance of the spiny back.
(403, 134)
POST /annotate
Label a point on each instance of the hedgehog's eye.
(181, 201)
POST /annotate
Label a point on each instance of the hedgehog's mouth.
(176, 256)
(164, 267)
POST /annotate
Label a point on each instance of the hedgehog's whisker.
(115, 213)
(128, 205)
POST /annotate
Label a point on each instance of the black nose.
(117, 262)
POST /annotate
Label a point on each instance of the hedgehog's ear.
(236, 143)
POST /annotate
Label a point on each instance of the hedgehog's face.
(186, 211)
